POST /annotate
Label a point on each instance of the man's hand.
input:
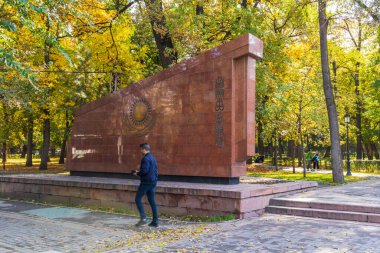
(134, 172)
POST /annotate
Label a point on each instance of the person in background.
(315, 161)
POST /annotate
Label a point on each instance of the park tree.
(360, 27)
(337, 165)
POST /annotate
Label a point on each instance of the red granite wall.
(198, 116)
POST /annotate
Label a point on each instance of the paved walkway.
(274, 233)
(365, 192)
(28, 227)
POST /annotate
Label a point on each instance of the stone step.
(348, 207)
(324, 214)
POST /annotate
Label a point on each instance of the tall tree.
(65, 138)
(46, 110)
(359, 106)
(5, 137)
(161, 32)
(29, 151)
(337, 165)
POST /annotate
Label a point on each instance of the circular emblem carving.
(139, 117)
(139, 111)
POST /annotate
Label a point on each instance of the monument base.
(176, 198)
(192, 179)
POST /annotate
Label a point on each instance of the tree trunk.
(161, 33)
(337, 165)
(358, 42)
(335, 89)
(294, 157)
(302, 152)
(63, 151)
(46, 141)
(4, 154)
(6, 134)
(364, 151)
(375, 151)
(275, 152)
(260, 138)
(327, 152)
(290, 152)
(359, 146)
(23, 151)
(64, 141)
(369, 151)
(45, 112)
(53, 152)
(303, 157)
(29, 152)
(299, 155)
(280, 148)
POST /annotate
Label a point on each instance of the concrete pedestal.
(178, 198)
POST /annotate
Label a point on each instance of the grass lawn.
(17, 165)
(318, 177)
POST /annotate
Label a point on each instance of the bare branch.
(122, 10)
(368, 9)
(347, 28)
(114, 43)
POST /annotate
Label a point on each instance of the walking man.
(148, 179)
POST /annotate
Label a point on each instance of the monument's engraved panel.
(219, 107)
(198, 117)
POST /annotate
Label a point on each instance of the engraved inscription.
(219, 107)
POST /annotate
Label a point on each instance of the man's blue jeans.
(148, 189)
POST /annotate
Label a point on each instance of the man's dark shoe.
(153, 224)
(141, 223)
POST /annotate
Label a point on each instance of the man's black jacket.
(148, 170)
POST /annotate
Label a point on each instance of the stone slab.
(355, 202)
(304, 203)
(364, 193)
(243, 200)
(325, 214)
